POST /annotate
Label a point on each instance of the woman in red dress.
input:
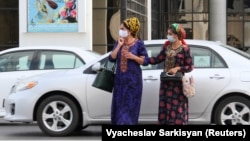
(173, 105)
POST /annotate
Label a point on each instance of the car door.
(211, 74)
(151, 85)
(98, 101)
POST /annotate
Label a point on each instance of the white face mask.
(123, 33)
(171, 38)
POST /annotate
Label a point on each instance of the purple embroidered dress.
(127, 93)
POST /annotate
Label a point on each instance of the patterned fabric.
(132, 24)
(124, 60)
(127, 93)
(170, 58)
(173, 105)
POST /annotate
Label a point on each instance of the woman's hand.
(138, 59)
(130, 55)
(174, 70)
(114, 53)
(120, 41)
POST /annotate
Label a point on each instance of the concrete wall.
(100, 26)
(82, 38)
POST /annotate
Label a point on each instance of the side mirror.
(96, 67)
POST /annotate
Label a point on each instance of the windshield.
(240, 52)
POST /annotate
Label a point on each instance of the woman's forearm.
(139, 59)
(115, 52)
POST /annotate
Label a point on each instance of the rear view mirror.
(96, 67)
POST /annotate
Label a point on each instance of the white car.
(21, 62)
(64, 101)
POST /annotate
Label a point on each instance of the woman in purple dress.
(173, 105)
(129, 53)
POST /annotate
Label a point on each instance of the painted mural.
(52, 16)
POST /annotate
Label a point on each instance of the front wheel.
(57, 116)
(234, 110)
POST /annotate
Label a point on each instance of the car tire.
(234, 110)
(58, 116)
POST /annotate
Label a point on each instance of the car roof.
(70, 48)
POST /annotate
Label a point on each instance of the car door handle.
(216, 77)
(150, 78)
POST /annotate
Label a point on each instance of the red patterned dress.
(173, 105)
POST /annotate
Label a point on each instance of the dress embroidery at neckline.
(130, 45)
(170, 57)
(124, 60)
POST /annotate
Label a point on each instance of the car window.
(206, 58)
(202, 57)
(153, 51)
(16, 61)
(59, 60)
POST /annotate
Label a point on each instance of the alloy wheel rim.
(57, 116)
(235, 113)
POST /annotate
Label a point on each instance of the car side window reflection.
(109, 65)
(16, 61)
(206, 58)
(59, 60)
(153, 51)
(102, 63)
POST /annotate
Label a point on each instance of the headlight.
(20, 86)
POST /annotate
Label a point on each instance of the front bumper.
(19, 107)
(2, 111)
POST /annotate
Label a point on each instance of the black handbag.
(105, 78)
(165, 76)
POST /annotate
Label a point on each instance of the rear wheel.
(57, 116)
(234, 110)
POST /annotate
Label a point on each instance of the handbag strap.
(168, 74)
